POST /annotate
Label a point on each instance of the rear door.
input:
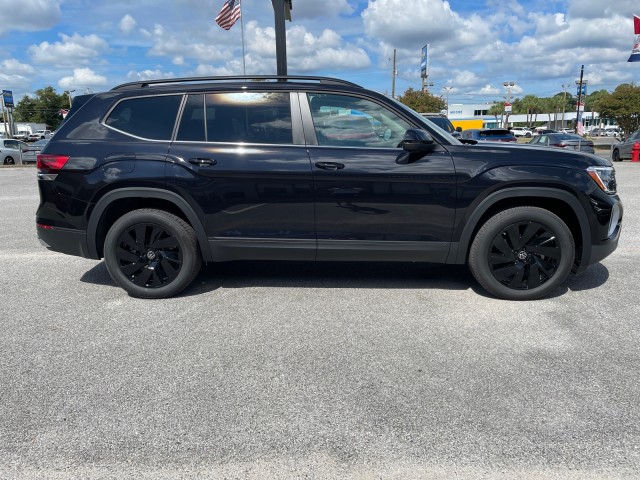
(239, 158)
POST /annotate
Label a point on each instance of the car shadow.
(274, 274)
(278, 274)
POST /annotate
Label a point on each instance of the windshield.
(422, 120)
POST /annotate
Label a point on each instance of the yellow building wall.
(466, 124)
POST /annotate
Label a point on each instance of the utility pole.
(564, 102)
(393, 76)
(507, 105)
(578, 113)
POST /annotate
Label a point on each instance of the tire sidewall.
(186, 240)
(478, 257)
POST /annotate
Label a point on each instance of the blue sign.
(7, 98)
(584, 90)
(424, 62)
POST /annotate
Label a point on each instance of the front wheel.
(522, 253)
(152, 253)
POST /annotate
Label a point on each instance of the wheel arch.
(560, 202)
(116, 203)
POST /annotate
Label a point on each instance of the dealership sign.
(7, 98)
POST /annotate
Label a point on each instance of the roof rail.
(279, 78)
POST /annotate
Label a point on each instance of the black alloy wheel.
(9, 161)
(522, 253)
(152, 253)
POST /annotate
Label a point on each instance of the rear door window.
(241, 117)
(147, 117)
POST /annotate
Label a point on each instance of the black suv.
(159, 176)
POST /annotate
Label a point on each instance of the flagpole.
(244, 63)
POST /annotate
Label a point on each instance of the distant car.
(11, 151)
(489, 135)
(443, 122)
(568, 141)
(522, 132)
(30, 153)
(622, 150)
(567, 130)
(613, 131)
(39, 135)
(542, 131)
(598, 132)
(21, 135)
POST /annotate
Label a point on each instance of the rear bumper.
(64, 240)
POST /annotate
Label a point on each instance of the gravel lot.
(333, 371)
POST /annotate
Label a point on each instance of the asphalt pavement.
(329, 371)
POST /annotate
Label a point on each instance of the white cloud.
(28, 15)
(128, 24)
(174, 45)
(316, 9)
(149, 75)
(71, 50)
(82, 77)
(11, 66)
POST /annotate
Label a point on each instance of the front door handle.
(330, 165)
(202, 162)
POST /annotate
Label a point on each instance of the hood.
(523, 154)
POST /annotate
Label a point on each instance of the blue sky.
(475, 46)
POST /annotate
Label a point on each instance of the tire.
(528, 135)
(522, 253)
(9, 161)
(615, 155)
(152, 253)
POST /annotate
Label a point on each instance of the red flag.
(63, 112)
(229, 14)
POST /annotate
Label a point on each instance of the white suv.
(521, 132)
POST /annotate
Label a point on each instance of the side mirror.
(418, 140)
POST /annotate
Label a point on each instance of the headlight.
(605, 177)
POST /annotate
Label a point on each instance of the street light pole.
(447, 89)
(507, 107)
(69, 95)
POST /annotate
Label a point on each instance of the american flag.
(229, 14)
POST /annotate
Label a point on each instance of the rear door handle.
(330, 165)
(202, 162)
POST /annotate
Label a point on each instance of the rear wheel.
(9, 161)
(152, 253)
(522, 253)
(615, 155)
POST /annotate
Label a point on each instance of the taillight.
(51, 163)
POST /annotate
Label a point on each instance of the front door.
(372, 201)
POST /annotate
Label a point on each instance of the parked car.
(597, 132)
(521, 132)
(541, 131)
(31, 151)
(613, 131)
(489, 135)
(622, 150)
(570, 141)
(443, 122)
(11, 151)
(159, 176)
(40, 135)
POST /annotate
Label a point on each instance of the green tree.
(422, 102)
(496, 109)
(43, 108)
(623, 105)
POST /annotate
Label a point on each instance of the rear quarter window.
(147, 117)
